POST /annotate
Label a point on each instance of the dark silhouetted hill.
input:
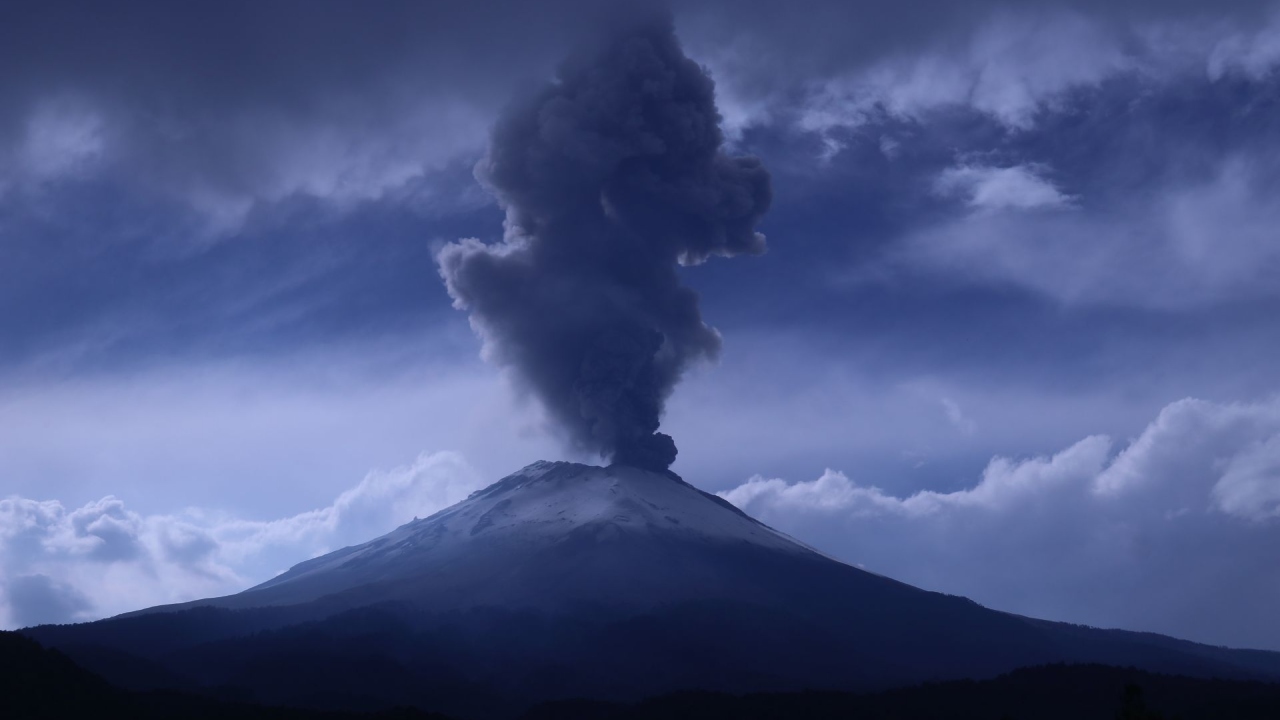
(41, 684)
(1053, 692)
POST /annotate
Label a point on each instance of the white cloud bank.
(59, 564)
(1177, 532)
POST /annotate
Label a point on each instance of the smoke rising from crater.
(611, 177)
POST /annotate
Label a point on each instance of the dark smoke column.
(611, 177)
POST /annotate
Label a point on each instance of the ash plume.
(611, 177)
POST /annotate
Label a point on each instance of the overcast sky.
(1014, 336)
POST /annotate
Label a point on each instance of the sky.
(1012, 337)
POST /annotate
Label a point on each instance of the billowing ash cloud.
(611, 177)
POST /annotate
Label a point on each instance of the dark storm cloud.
(278, 113)
(232, 176)
(230, 103)
(612, 177)
(224, 104)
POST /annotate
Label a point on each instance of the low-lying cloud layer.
(1177, 532)
(1174, 531)
(63, 565)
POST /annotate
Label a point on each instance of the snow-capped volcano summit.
(548, 502)
(551, 533)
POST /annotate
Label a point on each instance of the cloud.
(226, 106)
(1003, 483)
(60, 565)
(1101, 154)
(104, 531)
(1019, 187)
(1253, 50)
(1250, 485)
(338, 149)
(38, 600)
(62, 138)
(1176, 532)
(1011, 62)
(1182, 242)
(956, 416)
(1008, 67)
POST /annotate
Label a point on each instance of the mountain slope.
(567, 580)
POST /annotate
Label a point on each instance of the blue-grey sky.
(1013, 337)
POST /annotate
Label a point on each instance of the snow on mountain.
(543, 529)
(547, 500)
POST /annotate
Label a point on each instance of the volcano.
(566, 580)
(553, 537)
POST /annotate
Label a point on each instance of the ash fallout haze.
(325, 322)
